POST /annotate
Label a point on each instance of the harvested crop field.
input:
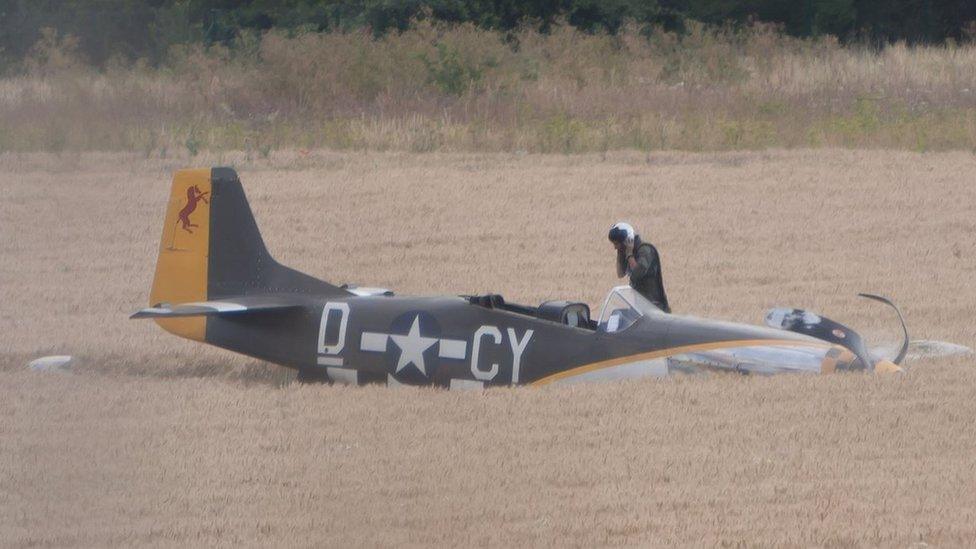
(151, 439)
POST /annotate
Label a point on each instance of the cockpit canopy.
(623, 307)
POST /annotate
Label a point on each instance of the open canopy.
(623, 307)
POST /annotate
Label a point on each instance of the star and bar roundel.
(413, 346)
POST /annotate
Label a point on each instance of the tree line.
(128, 30)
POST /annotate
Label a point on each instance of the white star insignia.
(412, 347)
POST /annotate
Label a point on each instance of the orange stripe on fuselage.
(675, 351)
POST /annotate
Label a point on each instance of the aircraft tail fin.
(211, 248)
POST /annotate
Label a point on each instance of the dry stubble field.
(155, 440)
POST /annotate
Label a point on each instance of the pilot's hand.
(631, 261)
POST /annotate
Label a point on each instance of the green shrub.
(452, 74)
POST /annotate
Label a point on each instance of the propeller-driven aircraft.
(216, 283)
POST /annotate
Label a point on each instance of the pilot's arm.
(621, 264)
(644, 263)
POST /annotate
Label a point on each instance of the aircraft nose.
(887, 367)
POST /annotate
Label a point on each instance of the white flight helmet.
(622, 232)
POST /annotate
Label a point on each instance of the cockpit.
(572, 314)
(621, 309)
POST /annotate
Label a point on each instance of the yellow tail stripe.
(181, 268)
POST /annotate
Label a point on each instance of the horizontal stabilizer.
(226, 306)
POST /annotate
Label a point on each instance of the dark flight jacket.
(646, 277)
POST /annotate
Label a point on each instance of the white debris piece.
(56, 363)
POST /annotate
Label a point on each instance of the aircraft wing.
(228, 306)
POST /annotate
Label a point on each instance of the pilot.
(640, 260)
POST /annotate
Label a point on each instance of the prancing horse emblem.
(193, 195)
